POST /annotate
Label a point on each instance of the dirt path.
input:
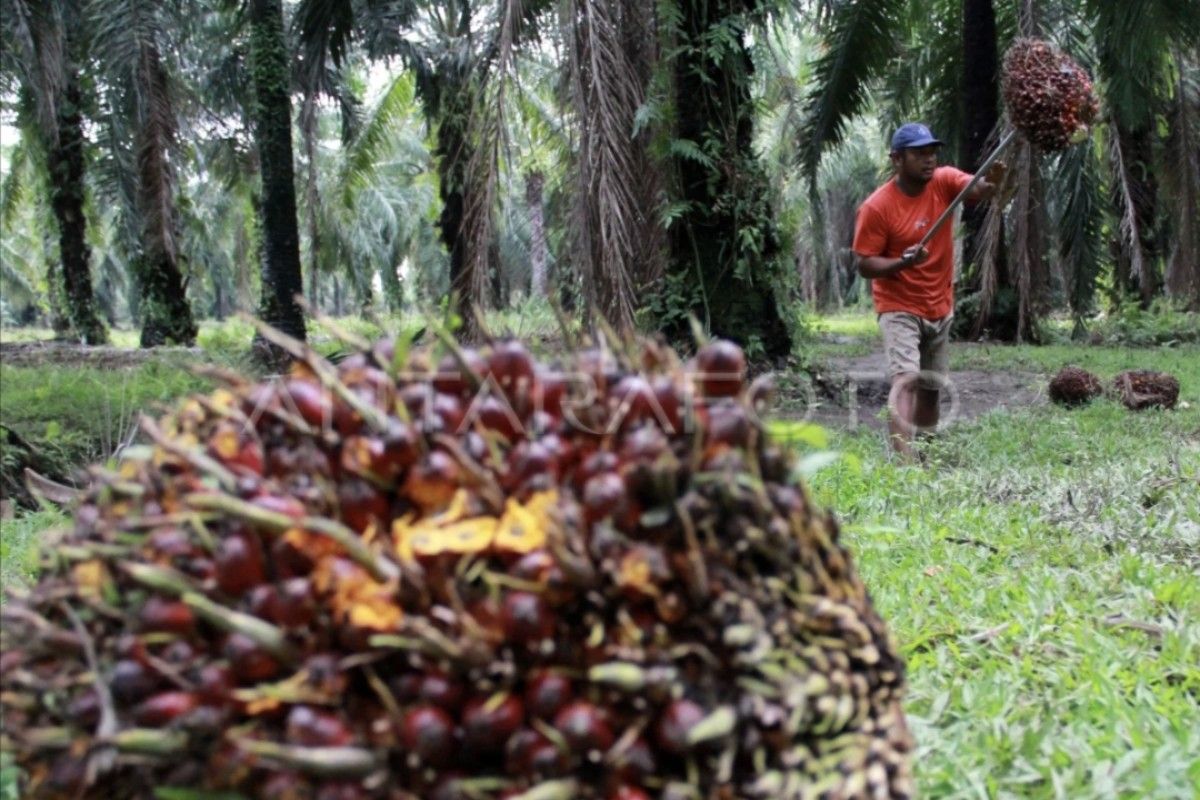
(852, 391)
(36, 354)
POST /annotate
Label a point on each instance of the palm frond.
(606, 95)
(1128, 197)
(362, 155)
(857, 48)
(1078, 202)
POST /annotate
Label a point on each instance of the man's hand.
(996, 172)
(914, 255)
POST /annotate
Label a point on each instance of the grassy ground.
(1041, 573)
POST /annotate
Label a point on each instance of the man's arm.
(989, 183)
(882, 266)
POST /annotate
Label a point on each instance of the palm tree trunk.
(166, 314)
(980, 98)
(312, 197)
(726, 243)
(538, 252)
(270, 67)
(65, 160)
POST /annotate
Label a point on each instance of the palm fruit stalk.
(453, 573)
(1139, 389)
(1050, 98)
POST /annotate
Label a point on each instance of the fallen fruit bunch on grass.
(457, 574)
(1049, 97)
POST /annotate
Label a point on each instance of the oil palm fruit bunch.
(1049, 97)
(1144, 388)
(1073, 386)
(457, 573)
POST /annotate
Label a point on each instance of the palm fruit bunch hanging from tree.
(1049, 97)
(457, 574)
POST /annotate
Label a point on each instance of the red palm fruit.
(360, 504)
(727, 423)
(131, 681)
(722, 368)
(215, 683)
(547, 692)
(237, 448)
(546, 760)
(449, 412)
(550, 389)
(540, 567)
(512, 367)
(584, 726)
(285, 786)
(164, 708)
(239, 563)
(313, 727)
(399, 447)
(440, 690)
(428, 731)
(294, 604)
(496, 415)
(526, 461)
(518, 749)
(486, 613)
(289, 560)
(595, 464)
(627, 792)
(634, 401)
(526, 618)
(167, 616)
(432, 481)
(646, 444)
(670, 402)
(671, 731)
(635, 762)
(310, 401)
(488, 721)
(249, 662)
(604, 496)
(451, 378)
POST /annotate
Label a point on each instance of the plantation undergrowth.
(1041, 573)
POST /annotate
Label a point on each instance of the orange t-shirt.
(890, 221)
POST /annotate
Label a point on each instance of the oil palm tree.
(42, 49)
(129, 38)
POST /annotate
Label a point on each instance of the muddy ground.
(849, 392)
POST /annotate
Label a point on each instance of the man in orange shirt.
(913, 286)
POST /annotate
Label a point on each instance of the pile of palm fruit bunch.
(1049, 97)
(1142, 388)
(1073, 386)
(453, 573)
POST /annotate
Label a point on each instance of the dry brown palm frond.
(609, 219)
(1128, 195)
(155, 140)
(1181, 181)
(40, 36)
(988, 243)
(485, 131)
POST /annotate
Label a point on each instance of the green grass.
(1041, 576)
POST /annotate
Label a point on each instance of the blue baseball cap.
(913, 134)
